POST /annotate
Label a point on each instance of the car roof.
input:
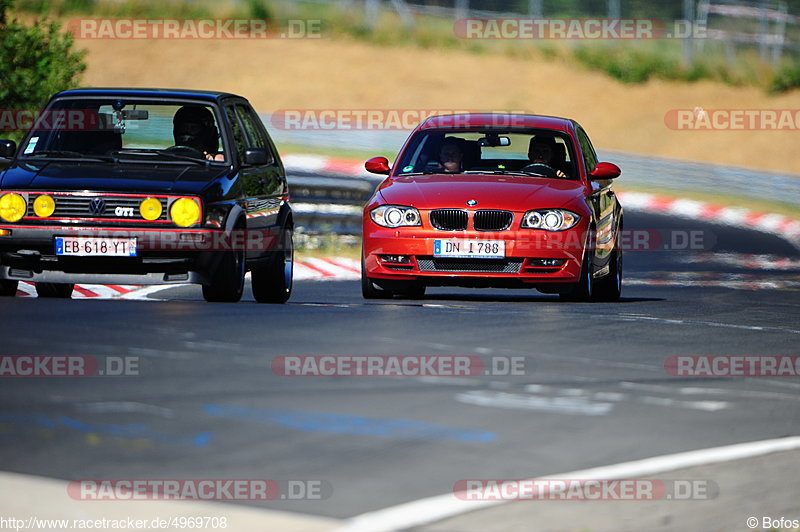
(513, 120)
(211, 96)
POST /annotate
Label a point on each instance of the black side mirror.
(256, 156)
(7, 148)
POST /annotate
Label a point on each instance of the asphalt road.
(207, 405)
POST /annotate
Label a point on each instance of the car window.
(488, 150)
(254, 136)
(238, 134)
(103, 126)
(589, 155)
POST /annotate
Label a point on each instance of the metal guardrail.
(331, 205)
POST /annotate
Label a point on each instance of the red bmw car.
(494, 200)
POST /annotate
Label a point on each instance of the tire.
(368, 288)
(609, 287)
(8, 288)
(583, 289)
(227, 281)
(58, 290)
(273, 284)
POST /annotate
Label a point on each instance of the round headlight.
(150, 209)
(44, 206)
(552, 220)
(12, 207)
(533, 219)
(394, 216)
(184, 212)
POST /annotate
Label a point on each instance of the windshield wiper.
(67, 154)
(165, 153)
(503, 172)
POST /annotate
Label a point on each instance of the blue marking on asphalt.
(27, 419)
(308, 421)
(120, 430)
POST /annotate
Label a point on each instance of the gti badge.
(97, 206)
(472, 202)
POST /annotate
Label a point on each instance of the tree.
(36, 62)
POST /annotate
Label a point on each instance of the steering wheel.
(541, 169)
(186, 151)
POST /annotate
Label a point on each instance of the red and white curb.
(783, 226)
(311, 269)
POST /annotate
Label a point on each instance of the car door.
(264, 185)
(603, 204)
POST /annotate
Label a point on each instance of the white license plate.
(478, 249)
(91, 246)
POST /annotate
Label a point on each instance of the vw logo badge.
(97, 206)
(472, 202)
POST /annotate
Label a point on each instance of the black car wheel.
(273, 284)
(368, 288)
(583, 289)
(8, 288)
(609, 288)
(227, 281)
(60, 290)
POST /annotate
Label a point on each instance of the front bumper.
(163, 256)
(532, 257)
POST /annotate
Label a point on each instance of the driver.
(193, 127)
(542, 150)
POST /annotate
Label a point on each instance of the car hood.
(131, 178)
(517, 193)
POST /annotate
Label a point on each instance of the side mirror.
(605, 171)
(7, 148)
(256, 156)
(378, 165)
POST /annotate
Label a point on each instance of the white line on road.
(439, 507)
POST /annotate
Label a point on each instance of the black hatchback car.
(146, 186)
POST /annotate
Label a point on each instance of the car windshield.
(544, 153)
(125, 129)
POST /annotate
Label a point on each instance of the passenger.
(541, 150)
(193, 126)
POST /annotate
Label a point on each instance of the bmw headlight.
(550, 219)
(395, 216)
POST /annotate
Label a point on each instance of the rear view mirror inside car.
(495, 141)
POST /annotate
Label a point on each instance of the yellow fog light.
(184, 212)
(12, 207)
(150, 209)
(44, 206)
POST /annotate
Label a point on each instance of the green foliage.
(258, 9)
(37, 61)
(786, 78)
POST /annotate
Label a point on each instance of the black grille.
(78, 207)
(449, 219)
(430, 264)
(492, 220)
